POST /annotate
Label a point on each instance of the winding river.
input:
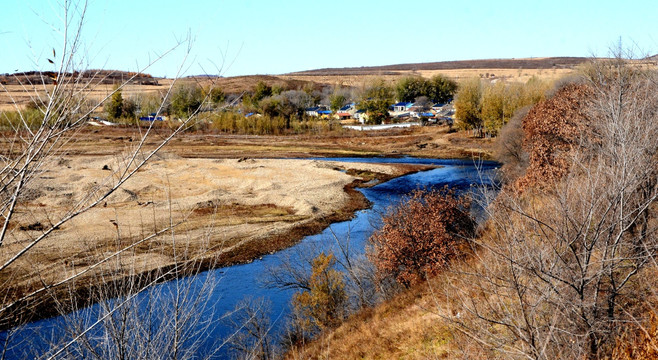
(231, 285)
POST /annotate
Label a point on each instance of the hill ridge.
(513, 63)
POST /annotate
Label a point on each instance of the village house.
(361, 116)
(316, 111)
(324, 114)
(346, 112)
(438, 107)
(402, 106)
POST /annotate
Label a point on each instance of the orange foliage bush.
(421, 235)
(551, 129)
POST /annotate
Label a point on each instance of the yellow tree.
(324, 304)
(468, 106)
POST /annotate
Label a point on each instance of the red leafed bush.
(552, 128)
(421, 235)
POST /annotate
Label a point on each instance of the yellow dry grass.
(218, 204)
(405, 327)
(516, 75)
(19, 95)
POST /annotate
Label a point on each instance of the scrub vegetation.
(564, 265)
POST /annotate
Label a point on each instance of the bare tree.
(557, 271)
(252, 338)
(64, 105)
(169, 321)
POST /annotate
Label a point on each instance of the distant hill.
(532, 63)
(90, 76)
(238, 84)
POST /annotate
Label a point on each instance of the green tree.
(129, 109)
(114, 108)
(410, 88)
(277, 89)
(120, 108)
(437, 89)
(271, 106)
(261, 91)
(215, 95)
(376, 100)
(441, 89)
(186, 99)
(336, 101)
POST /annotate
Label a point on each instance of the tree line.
(281, 107)
(485, 107)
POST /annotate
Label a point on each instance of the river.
(217, 292)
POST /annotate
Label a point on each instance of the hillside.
(533, 63)
(564, 266)
(101, 82)
(87, 76)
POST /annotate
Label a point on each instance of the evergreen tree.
(114, 108)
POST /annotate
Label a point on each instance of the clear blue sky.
(274, 37)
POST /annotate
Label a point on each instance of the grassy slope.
(405, 327)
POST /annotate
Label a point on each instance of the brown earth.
(229, 202)
(429, 141)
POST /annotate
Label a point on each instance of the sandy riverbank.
(226, 211)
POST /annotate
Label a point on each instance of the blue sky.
(244, 37)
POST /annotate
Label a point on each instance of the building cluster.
(402, 111)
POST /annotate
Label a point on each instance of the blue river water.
(230, 286)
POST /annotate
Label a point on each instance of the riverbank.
(224, 211)
(436, 141)
(227, 203)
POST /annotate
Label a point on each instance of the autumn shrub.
(638, 343)
(552, 129)
(29, 118)
(563, 267)
(421, 235)
(324, 304)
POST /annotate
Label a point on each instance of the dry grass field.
(223, 211)
(517, 70)
(518, 75)
(507, 70)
